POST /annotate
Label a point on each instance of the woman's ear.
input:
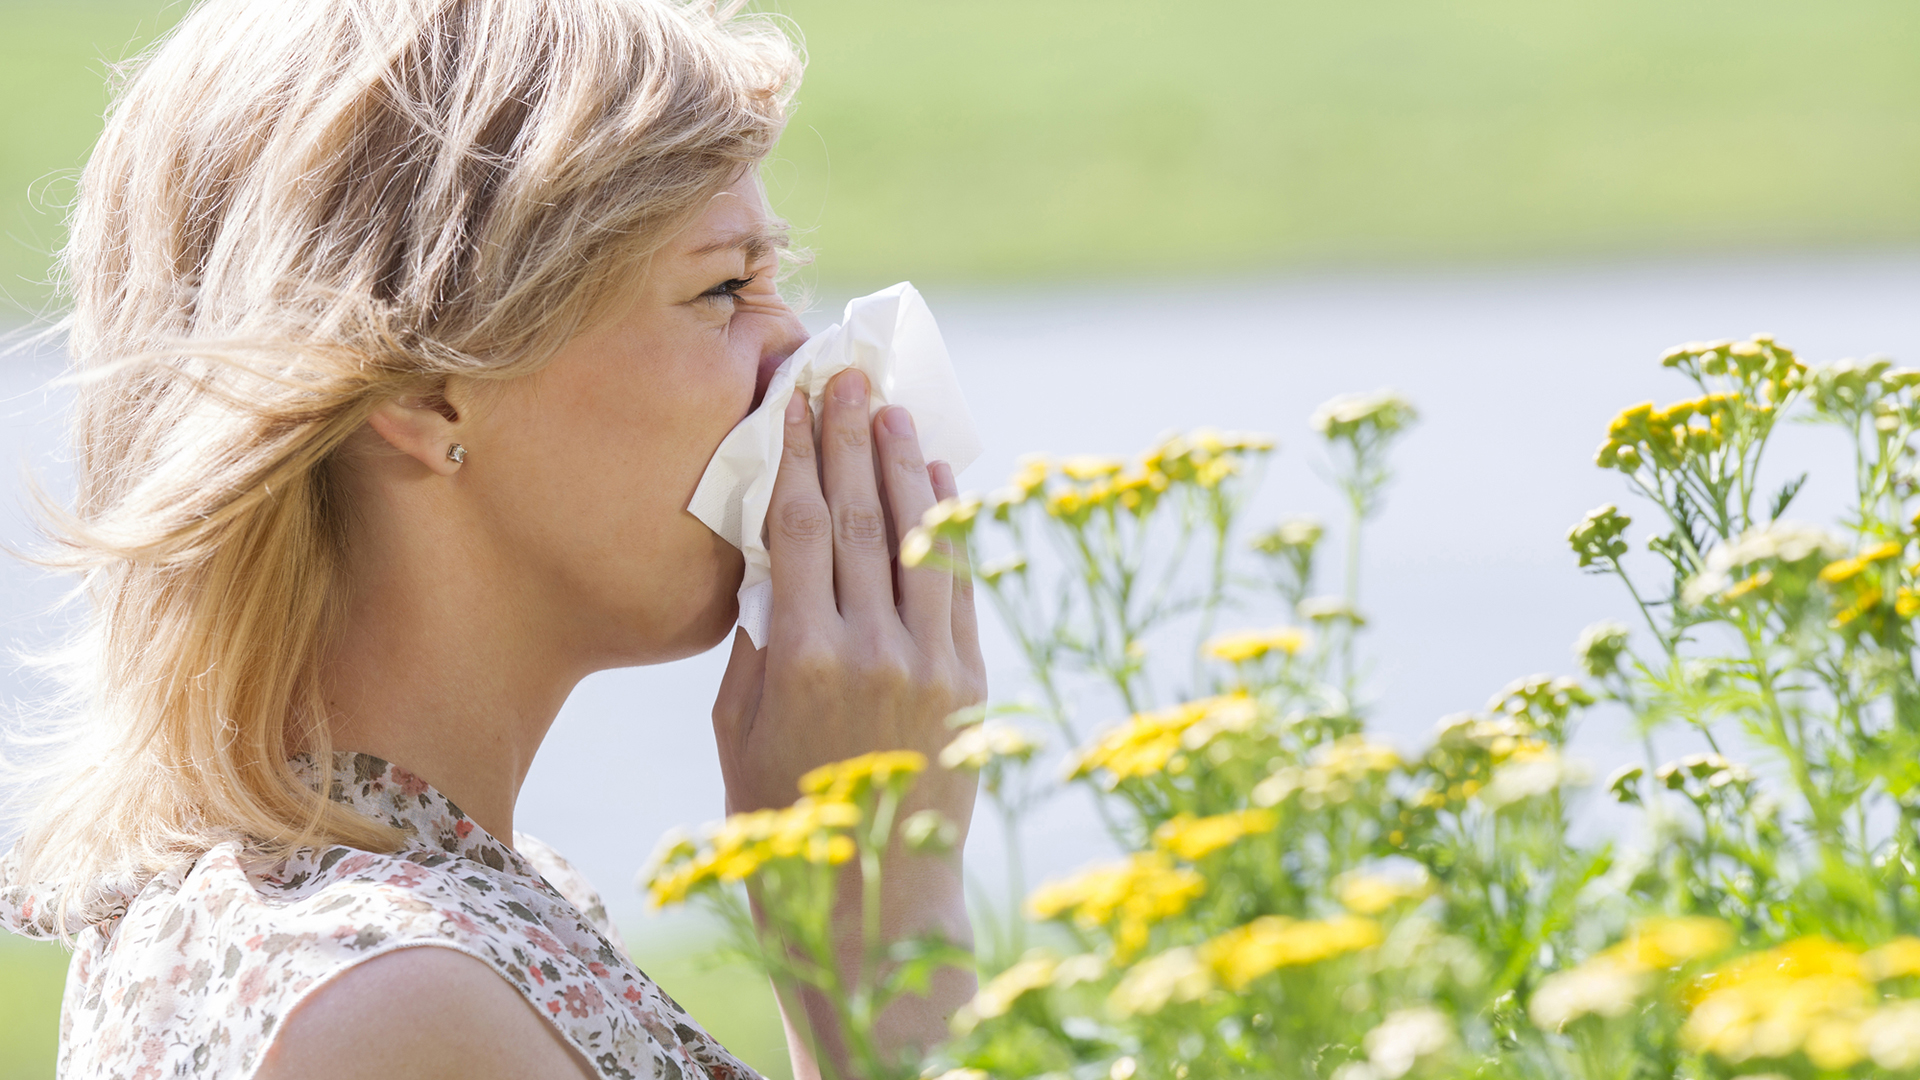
(425, 427)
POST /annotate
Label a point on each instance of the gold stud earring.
(456, 453)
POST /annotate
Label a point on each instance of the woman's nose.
(789, 334)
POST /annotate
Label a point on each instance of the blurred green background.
(1073, 140)
(1059, 143)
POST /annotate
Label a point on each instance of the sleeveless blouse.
(191, 973)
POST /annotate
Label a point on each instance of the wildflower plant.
(1292, 896)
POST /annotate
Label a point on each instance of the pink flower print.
(407, 875)
(633, 995)
(599, 969)
(355, 863)
(576, 1003)
(553, 1007)
(534, 970)
(251, 986)
(544, 940)
(464, 829)
(410, 785)
(460, 919)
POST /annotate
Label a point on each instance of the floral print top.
(191, 973)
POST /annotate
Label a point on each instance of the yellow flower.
(1131, 896)
(1034, 971)
(1842, 569)
(951, 515)
(1336, 768)
(845, 781)
(1354, 756)
(1139, 492)
(739, 847)
(1371, 894)
(1244, 645)
(1611, 981)
(1268, 943)
(1809, 995)
(1894, 960)
(1070, 505)
(1088, 467)
(1658, 943)
(975, 746)
(1146, 743)
(1194, 838)
(1026, 482)
(1214, 471)
(1172, 976)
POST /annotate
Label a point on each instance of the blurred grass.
(1048, 139)
(31, 977)
(733, 1003)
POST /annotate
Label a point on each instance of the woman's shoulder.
(220, 955)
(423, 1013)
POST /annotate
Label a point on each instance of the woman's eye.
(728, 289)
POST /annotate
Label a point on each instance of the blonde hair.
(298, 211)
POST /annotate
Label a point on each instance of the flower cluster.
(980, 744)
(1599, 536)
(1130, 896)
(854, 779)
(1296, 896)
(1244, 645)
(1152, 741)
(1360, 416)
(1762, 368)
(1336, 772)
(1771, 561)
(1667, 438)
(1193, 838)
(814, 831)
(1810, 996)
(1612, 982)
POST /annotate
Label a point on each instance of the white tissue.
(892, 338)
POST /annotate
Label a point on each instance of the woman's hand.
(861, 655)
(851, 663)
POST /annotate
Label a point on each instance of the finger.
(926, 592)
(739, 698)
(799, 529)
(965, 618)
(862, 570)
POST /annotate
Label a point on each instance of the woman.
(407, 329)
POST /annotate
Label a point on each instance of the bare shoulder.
(421, 1014)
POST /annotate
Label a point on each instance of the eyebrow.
(759, 243)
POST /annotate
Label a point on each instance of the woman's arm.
(853, 664)
(425, 1013)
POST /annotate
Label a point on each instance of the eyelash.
(729, 288)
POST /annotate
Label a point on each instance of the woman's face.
(590, 463)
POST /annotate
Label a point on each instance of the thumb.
(739, 697)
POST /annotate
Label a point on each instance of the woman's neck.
(441, 667)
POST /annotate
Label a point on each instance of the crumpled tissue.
(892, 338)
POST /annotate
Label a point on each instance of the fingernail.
(898, 421)
(796, 407)
(850, 386)
(941, 473)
